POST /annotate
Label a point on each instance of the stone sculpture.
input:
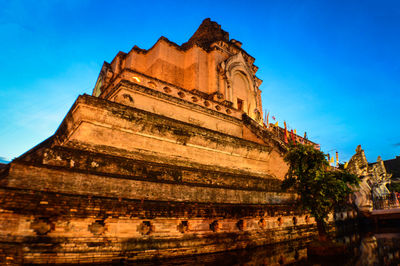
(373, 180)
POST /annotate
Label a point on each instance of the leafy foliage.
(321, 189)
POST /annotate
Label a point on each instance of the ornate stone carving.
(125, 98)
(230, 70)
(97, 227)
(183, 227)
(241, 225)
(280, 221)
(145, 228)
(262, 223)
(42, 226)
(215, 226)
(373, 179)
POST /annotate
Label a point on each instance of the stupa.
(168, 157)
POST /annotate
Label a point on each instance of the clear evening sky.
(331, 68)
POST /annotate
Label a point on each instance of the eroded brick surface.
(168, 157)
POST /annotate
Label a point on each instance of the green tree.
(321, 189)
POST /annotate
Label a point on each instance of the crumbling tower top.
(207, 33)
(209, 64)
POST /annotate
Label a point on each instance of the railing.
(389, 201)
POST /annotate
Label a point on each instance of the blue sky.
(331, 68)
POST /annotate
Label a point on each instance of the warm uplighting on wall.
(136, 79)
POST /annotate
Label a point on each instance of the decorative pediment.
(237, 63)
(241, 85)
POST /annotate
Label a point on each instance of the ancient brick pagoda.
(168, 157)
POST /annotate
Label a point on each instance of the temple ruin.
(168, 157)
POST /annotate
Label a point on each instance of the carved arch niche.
(239, 85)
